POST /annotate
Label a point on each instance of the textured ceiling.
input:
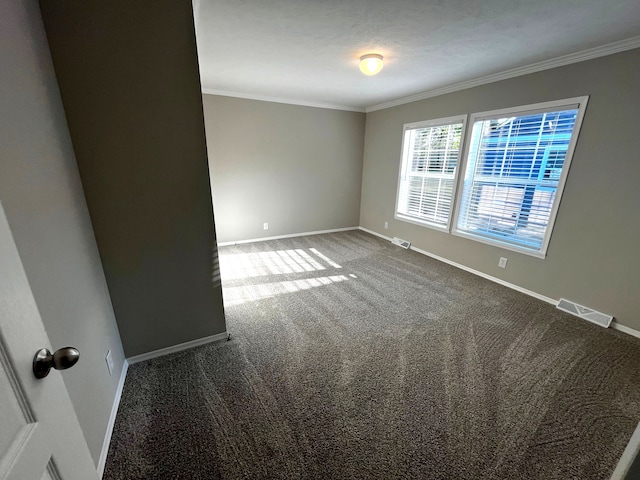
(306, 51)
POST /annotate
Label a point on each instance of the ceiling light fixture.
(371, 63)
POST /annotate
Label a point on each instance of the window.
(426, 185)
(516, 166)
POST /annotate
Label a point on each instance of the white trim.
(581, 56)
(512, 286)
(437, 122)
(375, 233)
(403, 170)
(467, 174)
(628, 456)
(288, 101)
(176, 348)
(622, 328)
(471, 270)
(123, 375)
(633, 448)
(290, 235)
(584, 55)
(112, 420)
(614, 324)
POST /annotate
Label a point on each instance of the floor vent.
(400, 242)
(585, 313)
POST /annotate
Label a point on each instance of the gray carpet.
(351, 358)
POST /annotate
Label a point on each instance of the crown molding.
(265, 98)
(589, 54)
(584, 55)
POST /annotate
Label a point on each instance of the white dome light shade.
(371, 63)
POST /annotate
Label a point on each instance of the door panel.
(25, 452)
(11, 417)
(40, 438)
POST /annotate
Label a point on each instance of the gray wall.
(128, 75)
(44, 202)
(593, 254)
(297, 168)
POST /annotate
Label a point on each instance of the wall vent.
(585, 313)
(400, 242)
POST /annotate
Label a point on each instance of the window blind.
(428, 170)
(513, 171)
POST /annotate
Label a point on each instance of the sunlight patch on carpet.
(251, 293)
(276, 262)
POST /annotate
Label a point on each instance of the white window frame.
(406, 147)
(579, 103)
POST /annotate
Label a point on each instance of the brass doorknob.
(44, 361)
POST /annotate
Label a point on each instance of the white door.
(40, 438)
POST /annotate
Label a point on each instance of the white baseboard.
(471, 270)
(375, 233)
(627, 330)
(513, 286)
(614, 324)
(112, 420)
(628, 456)
(123, 375)
(176, 348)
(633, 448)
(291, 235)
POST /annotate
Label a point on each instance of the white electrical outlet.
(109, 360)
(502, 263)
(386, 225)
(265, 226)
